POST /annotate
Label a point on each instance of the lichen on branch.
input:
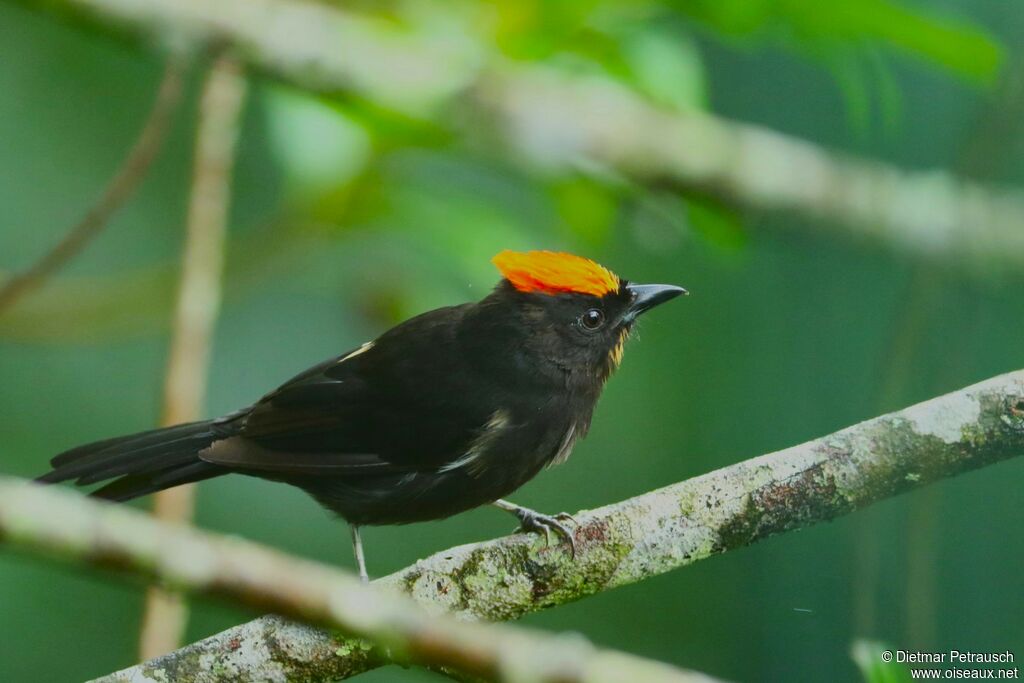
(65, 524)
(650, 534)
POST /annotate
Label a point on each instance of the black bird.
(450, 410)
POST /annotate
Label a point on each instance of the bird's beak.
(646, 297)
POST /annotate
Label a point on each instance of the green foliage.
(957, 45)
(317, 146)
(867, 655)
(667, 68)
(332, 153)
(718, 224)
(587, 207)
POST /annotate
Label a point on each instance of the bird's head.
(578, 313)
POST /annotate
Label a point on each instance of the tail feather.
(97, 449)
(140, 463)
(136, 485)
(173, 452)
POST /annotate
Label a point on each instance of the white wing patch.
(471, 460)
(565, 449)
(362, 349)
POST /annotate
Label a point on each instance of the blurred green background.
(345, 220)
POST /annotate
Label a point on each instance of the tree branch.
(569, 122)
(646, 535)
(165, 614)
(131, 172)
(67, 525)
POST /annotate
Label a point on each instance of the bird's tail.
(139, 463)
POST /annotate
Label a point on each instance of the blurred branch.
(131, 172)
(166, 614)
(647, 535)
(69, 526)
(560, 121)
(933, 214)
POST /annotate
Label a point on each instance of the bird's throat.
(615, 354)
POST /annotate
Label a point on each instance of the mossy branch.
(644, 536)
(567, 122)
(67, 525)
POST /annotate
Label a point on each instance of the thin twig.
(67, 525)
(644, 536)
(131, 172)
(199, 297)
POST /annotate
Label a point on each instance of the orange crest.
(550, 272)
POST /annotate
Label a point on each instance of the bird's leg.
(530, 520)
(357, 548)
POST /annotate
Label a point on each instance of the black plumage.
(450, 410)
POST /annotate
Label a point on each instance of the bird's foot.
(533, 521)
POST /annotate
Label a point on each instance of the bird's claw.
(566, 515)
(531, 521)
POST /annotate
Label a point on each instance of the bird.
(452, 409)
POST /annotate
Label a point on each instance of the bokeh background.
(345, 221)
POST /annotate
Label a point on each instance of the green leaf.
(855, 88)
(868, 656)
(960, 46)
(888, 93)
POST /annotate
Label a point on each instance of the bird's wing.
(313, 402)
(380, 408)
(308, 425)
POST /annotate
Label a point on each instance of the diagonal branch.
(67, 525)
(133, 169)
(646, 535)
(564, 122)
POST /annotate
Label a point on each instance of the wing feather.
(364, 412)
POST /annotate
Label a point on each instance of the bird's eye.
(592, 319)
